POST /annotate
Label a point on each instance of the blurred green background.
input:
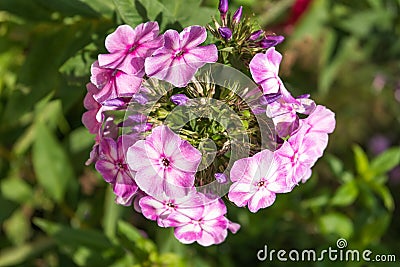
(55, 211)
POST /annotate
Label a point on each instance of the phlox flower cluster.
(154, 168)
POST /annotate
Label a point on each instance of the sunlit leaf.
(386, 161)
(345, 194)
(361, 160)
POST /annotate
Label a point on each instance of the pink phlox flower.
(112, 166)
(321, 120)
(164, 162)
(257, 180)
(206, 228)
(181, 56)
(113, 83)
(161, 209)
(264, 68)
(129, 47)
(284, 111)
(92, 118)
(304, 147)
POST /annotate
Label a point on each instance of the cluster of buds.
(240, 38)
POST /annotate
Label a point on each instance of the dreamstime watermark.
(338, 253)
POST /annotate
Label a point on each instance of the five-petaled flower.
(181, 56)
(129, 47)
(257, 180)
(164, 163)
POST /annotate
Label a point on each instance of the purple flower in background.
(264, 69)
(181, 56)
(164, 163)
(271, 40)
(113, 83)
(257, 180)
(237, 15)
(129, 47)
(112, 166)
(179, 99)
(225, 32)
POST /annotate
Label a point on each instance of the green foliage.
(55, 211)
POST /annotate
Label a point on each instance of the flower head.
(129, 47)
(256, 180)
(181, 56)
(164, 163)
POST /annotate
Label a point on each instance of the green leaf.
(17, 255)
(195, 15)
(16, 189)
(336, 223)
(102, 7)
(66, 236)
(386, 161)
(51, 164)
(112, 214)
(335, 163)
(127, 11)
(361, 159)
(383, 192)
(17, 227)
(133, 240)
(345, 194)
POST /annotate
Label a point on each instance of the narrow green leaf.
(51, 164)
(345, 194)
(112, 214)
(386, 161)
(361, 159)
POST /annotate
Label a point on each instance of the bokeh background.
(55, 211)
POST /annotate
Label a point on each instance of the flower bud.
(179, 99)
(220, 177)
(225, 32)
(271, 40)
(255, 35)
(237, 15)
(223, 6)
